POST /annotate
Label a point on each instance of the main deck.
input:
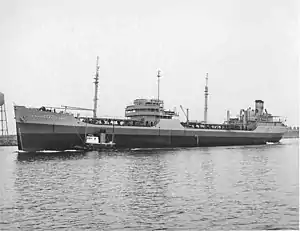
(191, 124)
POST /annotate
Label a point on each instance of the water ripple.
(241, 188)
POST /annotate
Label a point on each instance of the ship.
(147, 124)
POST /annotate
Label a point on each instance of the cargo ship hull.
(37, 130)
(66, 141)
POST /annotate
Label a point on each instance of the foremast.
(96, 89)
(206, 98)
(158, 79)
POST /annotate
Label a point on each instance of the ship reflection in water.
(248, 187)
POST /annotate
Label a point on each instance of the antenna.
(96, 89)
(206, 98)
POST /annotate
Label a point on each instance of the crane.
(76, 108)
(186, 114)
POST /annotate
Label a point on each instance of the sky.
(249, 49)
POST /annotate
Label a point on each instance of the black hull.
(133, 141)
(60, 142)
(44, 141)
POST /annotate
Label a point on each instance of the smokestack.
(206, 98)
(259, 107)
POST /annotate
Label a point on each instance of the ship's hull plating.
(37, 137)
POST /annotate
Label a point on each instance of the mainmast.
(96, 89)
(158, 77)
(206, 98)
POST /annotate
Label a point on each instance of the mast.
(158, 78)
(96, 89)
(206, 98)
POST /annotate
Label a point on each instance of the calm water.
(254, 187)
